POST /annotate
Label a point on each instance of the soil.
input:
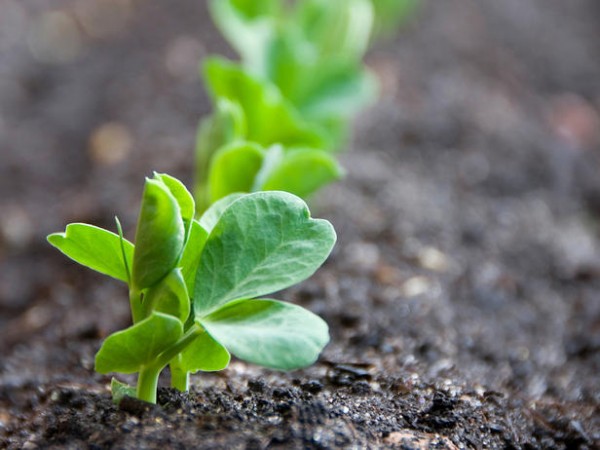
(463, 296)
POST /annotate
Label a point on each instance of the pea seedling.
(196, 287)
(239, 150)
(311, 51)
(284, 110)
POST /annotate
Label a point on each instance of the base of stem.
(148, 384)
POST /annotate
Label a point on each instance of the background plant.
(193, 284)
(299, 83)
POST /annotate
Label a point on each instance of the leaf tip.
(54, 239)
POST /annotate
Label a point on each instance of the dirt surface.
(463, 296)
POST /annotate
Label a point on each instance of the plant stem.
(135, 303)
(148, 375)
(180, 379)
(166, 356)
(148, 383)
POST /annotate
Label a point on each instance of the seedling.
(311, 52)
(282, 112)
(196, 287)
(240, 150)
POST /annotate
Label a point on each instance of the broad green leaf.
(190, 257)
(182, 196)
(169, 296)
(94, 247)
(128, 350)
(120, 390)
(159, 237)
(212, 215)
(270, 118)
(204, 354)
(269, 333)
(263, 242)
(302, 172)
(234, 168)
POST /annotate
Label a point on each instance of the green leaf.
(252, 9)
(269, 333)
(94, 247)
(212, 215)
(191, 254)
(182, 196)
(337, 28)
(338, 92)
(247, 24)
(273, 158)
(302, 172)
(159, 237)
(205, 354)
(263, 107)
(226, 125)
(120, 390)
(263, 242)
(169, 296)
(128, 350)
(234, 168)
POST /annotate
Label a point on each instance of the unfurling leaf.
(159, 237)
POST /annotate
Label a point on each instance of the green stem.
(135, 303)
(166, 356)
(148, 375)
(180, 379)
(148, 383)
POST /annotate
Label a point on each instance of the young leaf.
(159, 236)
(263, 242)
(338, 91)
(269, 333)
(247, 24)
(212, 215)
(169, 296)
(234, 168)
(182, 196)
(337, 28)
(129, 350)
(120, 390)
(226, 125)
(263, 107)
(190, 257)
(96, 248)
(303, 171)
(205, 354)
(273, 158)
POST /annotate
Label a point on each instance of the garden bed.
(463, 295)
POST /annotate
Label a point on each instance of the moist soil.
(463, 293)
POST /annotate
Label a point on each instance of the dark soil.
(464, 293)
